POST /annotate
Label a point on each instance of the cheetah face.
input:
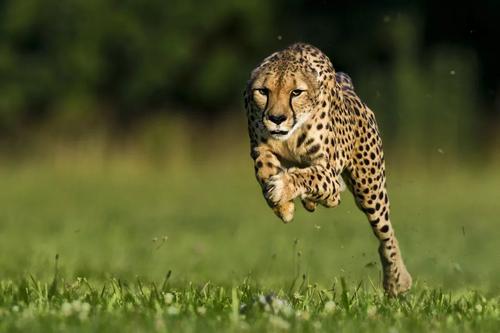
(283, 100)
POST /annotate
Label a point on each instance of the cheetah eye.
(263, 91)
(296, 92)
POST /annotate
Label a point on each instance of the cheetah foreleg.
(268, 165)
(313, 184)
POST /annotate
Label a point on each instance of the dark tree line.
(82, 61)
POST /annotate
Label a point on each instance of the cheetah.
(311, 137)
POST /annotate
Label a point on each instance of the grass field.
(196, 249)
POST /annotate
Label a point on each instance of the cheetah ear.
(344, 80)
(337, 91)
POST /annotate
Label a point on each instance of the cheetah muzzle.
(311, 136)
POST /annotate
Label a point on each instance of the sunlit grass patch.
(30, 305)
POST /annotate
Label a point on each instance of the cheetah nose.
(277, 119)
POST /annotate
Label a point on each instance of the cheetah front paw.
(279, 193)
(279, 189)
(309, 205)
(285, 211)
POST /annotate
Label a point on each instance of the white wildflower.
(279, 323)
(169, 298)
(201, 310)
(303, 315)
(66, 309)
(330, 307)
(371, 311)
(277, 304)
(77, 305)
(173, 310)
(84, 309)
(287, 310)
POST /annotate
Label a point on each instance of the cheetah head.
(282, 94)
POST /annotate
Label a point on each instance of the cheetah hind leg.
(397, 280)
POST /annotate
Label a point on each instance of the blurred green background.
(131, 69)
(123, 142)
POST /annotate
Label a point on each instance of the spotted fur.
(310, 135)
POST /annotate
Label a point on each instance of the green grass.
(120, 306)
(119, 229)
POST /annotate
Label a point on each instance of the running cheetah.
(311, 137)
